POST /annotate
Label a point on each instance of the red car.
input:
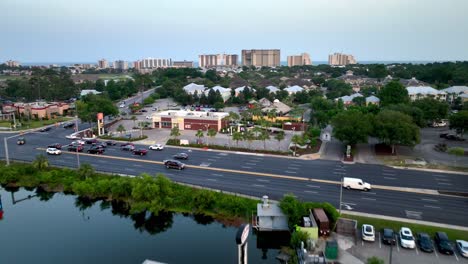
(140, 152)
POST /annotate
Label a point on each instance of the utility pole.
(77, 154)
(6, 151)
(341, 193)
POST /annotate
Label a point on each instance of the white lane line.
(258, 185)
(314, 192)
(339, 169)
(444, 183)
(313, 186)
(389, 174)
(263, 180)
(348, 203)
(222, 154)
(137, 165)
(211, 179)
(439, 175)
(442, 179)
(291, 172)
(211, 159)
(101, 161)
(252, 164)
(339, 172)
(429, 200)
(417, 252)
(389, 178)
(370, 199)
(216, 174)
(246, 167)
(373, 193)
(294, 165)
(431, 206)
(293, 168)
(435, 251)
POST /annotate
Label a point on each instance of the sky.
(371, 30)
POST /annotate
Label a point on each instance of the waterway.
(39, 227)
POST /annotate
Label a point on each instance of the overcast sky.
(371, 30)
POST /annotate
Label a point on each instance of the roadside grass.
(380, 224)
(35, 124)
(400, 162)
(8, 77)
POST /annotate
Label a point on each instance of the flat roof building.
(339, 59)
(182, 64)
(299, 60)
(190, 120)
(217, 60)
(103, 64)
(261, 57)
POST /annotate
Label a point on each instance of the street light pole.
(77, 147)
(6, 151)
(341, 193)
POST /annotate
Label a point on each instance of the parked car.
(174, 164)
(55, 145)
(78, 142)
(53, 151)
(443, 135)
(91, 141)
(111, 143)
(443, 243)
(75, 148)
(406, 238)
(425, 243)
(420, 162)
(451, 137)
(126, 144)
(100, 145)
(156, 147)
(21, 141)
(45, 129)
(182, 155)
(355, 183)
(140, 152)
(439, 124)
(95, 150)
(143, 110)
(462, 247)
(388, 236)
(128, 148)
(68, 125)
(122, 105)
(368, 233)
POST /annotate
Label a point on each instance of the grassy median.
(380, 224)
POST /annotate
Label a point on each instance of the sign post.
(241, 240)
(100, 124)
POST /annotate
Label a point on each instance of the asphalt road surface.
(258, 175)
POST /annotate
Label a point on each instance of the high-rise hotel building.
(103, 64)
(299, 60)
(261, 57)
(338, 59)
(217, 60)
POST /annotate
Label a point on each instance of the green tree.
(120, 129)
(212, 133)
(91, 104)
(433, 110)
(416, 114)
(134, 119)
(218, 106)
(280, 137)
(249, 136)
(264, 136)
(175, 132)
(393, 93)
(297, 140)
(351, 127)
(459, 122)
(199, 134)
(41, 162)
(237, 136)
(85, 171)
(293, 209)
(395, 128)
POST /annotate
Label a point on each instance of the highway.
(257, 175)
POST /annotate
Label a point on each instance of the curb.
(429, 170)
(400, 219)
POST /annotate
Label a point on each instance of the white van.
(355, 183)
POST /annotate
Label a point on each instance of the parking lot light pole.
(6, 151)
(341, 193)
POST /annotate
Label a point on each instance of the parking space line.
(362, 242)
(380, 241)
(397, 244)
(435, 251)
(431, 206)
(416, 247)
(455, 254)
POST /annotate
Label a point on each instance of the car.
(100, 145)
(128, 148)
(55, 145)
(355, 183)
(75, 148)
(53, 151)
(462, 247)
(140, 152)
(388, 236)
(111, 143)
(156, 147)
(420, 162)
(21, 141)
(443, 135)
(181, 155)
(149, 117)
(406, 238)
(443, 243)
(174, 164)
(78, 142)
(425, 243)
(126, 144)
(68, 125)
(95, 150)
(143, 110)
(154, 109)
(368, 233)
(454, 137)
(122, 105)
(71, 137)
(45, 129)
(91, 141)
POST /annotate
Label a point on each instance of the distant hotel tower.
(217, 60)
(338, 59)
(103, 64)
(260, 58)
(299, 60)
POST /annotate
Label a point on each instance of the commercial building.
(11, 63)
(103, 64)
(120, 65)
(37, 109)
(217, 60)
(182, 64)
(260, 58)
(419, 92)
(299, 60)
(190, 120)
(339, 59)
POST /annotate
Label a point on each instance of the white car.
(53, 151)
(71, 137)
(368, 233)
(156, 147)
(78, 142)
(149, 117)
(122, 105)
(406, 238)
(462, 247)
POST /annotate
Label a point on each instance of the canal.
(39, 227)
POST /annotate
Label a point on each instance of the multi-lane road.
(397, 192)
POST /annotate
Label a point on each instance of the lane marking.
(442, 179)
(339, 172)
(431, 206)
(217, 174)
(444, 183)
(370, 199)
(313, 186)
(246, 167)
(258, 185)
(251, 164)
(211, 179)
(223, 154)
(293, 168)
(293, 172)
(372, 193)
(349, 203)
(439, 175)
(137, 165)
(389, 174)
(429, 200)
(211, 159)
(205, 164)
(307, 191)
(389, 178)
(413, 214)
(263, 180)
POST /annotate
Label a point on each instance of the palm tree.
(134, 118)
(264, 135)
(199, 135)
(41, 162)
(279, 137)
(212, 133)
(257, 130)
(120, 129)
(85, 171)
(237, 136)
(296, 139)
(249, 136)
(175, 132)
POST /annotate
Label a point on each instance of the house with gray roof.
(454, 92)
(225, 92)
(348, 99)
(372, 100)
(419, 92)
(294, 89)
(272, 89)
(238, 90)
(193, 87)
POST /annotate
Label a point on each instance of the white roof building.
(372, 100)
(456, 90)
(86, 92)
(238, 90)
(419, 92)
(192, 88)
(225, 92)
(294, 89)
(270, 217)
(348, 99)
(272, 89)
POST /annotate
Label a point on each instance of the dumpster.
(331, 250)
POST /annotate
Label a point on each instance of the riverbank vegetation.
(156, 194)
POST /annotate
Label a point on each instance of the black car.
(111, 143)
(443, 243)
(91, 141)
(94, 150)
(45, 129)
(128, 147)
(75, 148)
(68, 125)
(55, 145)
(183, 156)
(425, 243)
(174, 164)
(388, 236)
(443, 135)
(99, 145)
(21, 141)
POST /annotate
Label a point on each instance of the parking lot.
(364, 250)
